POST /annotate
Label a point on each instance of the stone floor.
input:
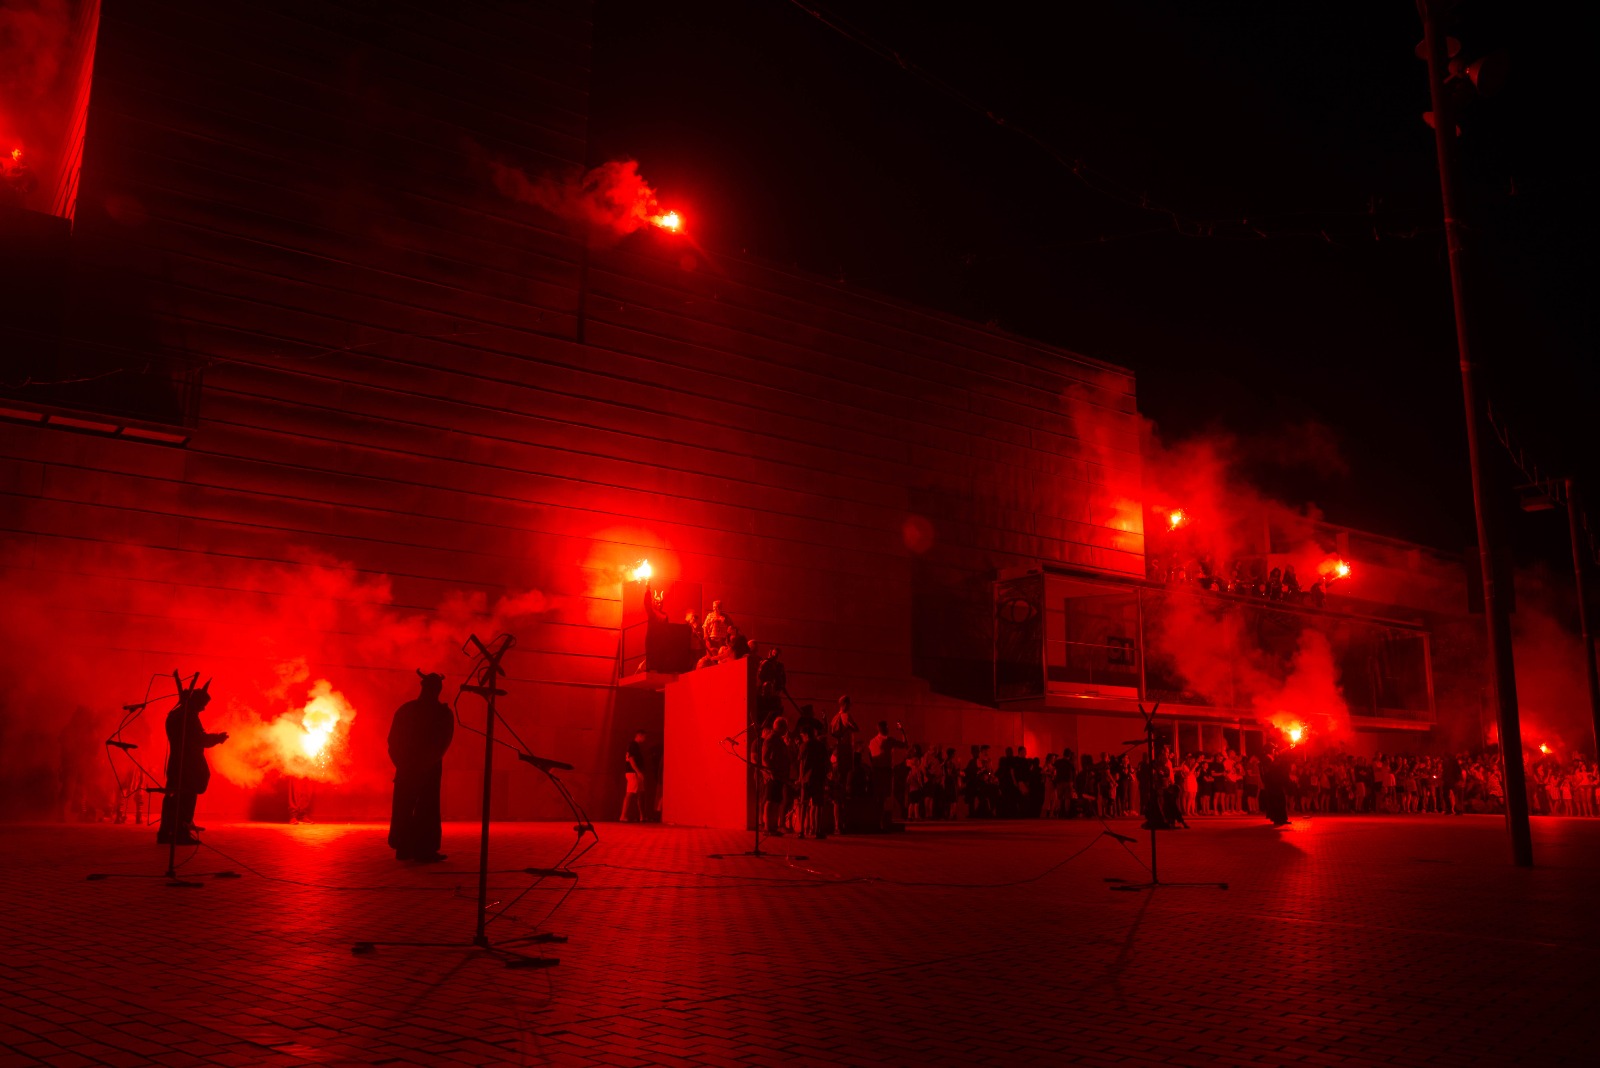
(1339, 941)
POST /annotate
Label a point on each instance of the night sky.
(780, 137)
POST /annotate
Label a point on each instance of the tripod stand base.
(1135, 887)
(171, 877)
(510, 957)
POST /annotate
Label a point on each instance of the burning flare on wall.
(612, 198)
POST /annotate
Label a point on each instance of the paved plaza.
(1341, 940)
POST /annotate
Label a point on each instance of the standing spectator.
(772, 685)
(1009, 792)
(634, 775)
(1452, 777)
(843, 730)
(1088, 788)
(807, 718)
(697, 637)
(814, 760)
(909, 785)
(1052, 802)
(776, 763)
(880, 750)
(1252, 784)
(971, 780)
(715, 628)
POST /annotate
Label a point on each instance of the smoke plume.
(302, 654)
(611, 199)
(1202, 505)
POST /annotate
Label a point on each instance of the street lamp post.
(1502, 672)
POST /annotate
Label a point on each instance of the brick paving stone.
(1342, 941)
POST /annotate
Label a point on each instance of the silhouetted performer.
(1274, 798)
(418, 738)
(188, 773)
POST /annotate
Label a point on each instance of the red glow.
(324, 711)
(668, 221)
(1334, 568)
(306, 742)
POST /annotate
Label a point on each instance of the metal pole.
(1160, 814)
(1574, 529)
(1502, 672)
(490, 683)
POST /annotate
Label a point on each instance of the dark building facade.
(304, 396)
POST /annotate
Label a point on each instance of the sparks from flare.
(642, 572)
(323, 710)
(1544, 747)
(1177, 518)
(669, 220)
(1334, 568)
(1295, 733)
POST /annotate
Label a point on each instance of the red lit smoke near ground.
(1552, 692)
(308, 663)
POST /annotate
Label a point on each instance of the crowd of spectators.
(1455, 783)
(817, 778)
(1248, 576)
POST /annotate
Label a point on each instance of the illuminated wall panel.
(399, 428)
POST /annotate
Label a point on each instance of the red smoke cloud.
(1284, 673)
(610, 199)
(1552, 687)
(290, 645)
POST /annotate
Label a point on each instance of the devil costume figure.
(418, 738)
(188, 773)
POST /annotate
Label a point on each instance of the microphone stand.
(185, 694)
(488, 688)
(1157, 818)
(142, 779)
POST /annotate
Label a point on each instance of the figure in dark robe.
(1274, 797)
(188, 773)
(418, 738)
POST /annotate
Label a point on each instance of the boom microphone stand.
(1157, 818)
(488, 688)
(185, 694)
(140, 780)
